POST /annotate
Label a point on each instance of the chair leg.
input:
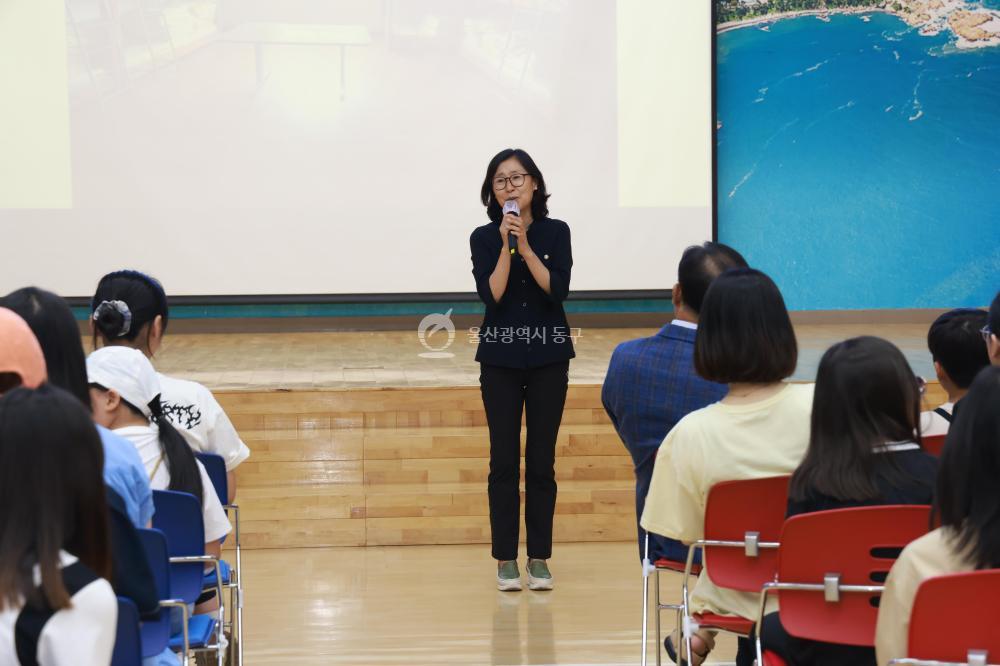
(659, 629)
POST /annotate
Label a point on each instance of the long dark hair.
(539, 200)
(181, 463)
(967, 499)
(866, 395)
(144, 299)
(51, 493)
(51, 320)
(744, 331)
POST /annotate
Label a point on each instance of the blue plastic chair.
(179, 516)
(232, 578)
(128, 648)
(155, 631)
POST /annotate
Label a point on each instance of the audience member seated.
(651, 383)
(759, 429)
(130, 309)
(125, 394)
(862, 452)
(129, 498)
(57, 332)
(956, 345)
(992, 331)
(968, 506)
(56, 608)
(21, 359)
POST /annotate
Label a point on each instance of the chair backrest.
(128, 645)
(934, 444)
(155, 631)
(215, 465)
(178, 516)
(733, 510)
(955, 614)
(859, 546)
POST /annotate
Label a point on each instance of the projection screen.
(262, 147)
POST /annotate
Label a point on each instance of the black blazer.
(527, 328)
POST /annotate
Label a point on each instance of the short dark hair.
(744, 332)
(956, 343)
(866, 395)
(539, 205)
(52, 494)
(699, 265)
(51, 320)
(967, 499)
(995, 315)
(144, 297)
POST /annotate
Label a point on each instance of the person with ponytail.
(129, 309)
(125, 398)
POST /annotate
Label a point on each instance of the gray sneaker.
(539, 576)
(508, 577)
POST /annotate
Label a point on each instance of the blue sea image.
(859, 162)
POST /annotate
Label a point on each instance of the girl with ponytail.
(129, 309)
(125, 397)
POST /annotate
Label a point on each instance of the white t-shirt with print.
(146, 440)
(81, 635)
(197, 415)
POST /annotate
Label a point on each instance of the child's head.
(129, 308)
(866, 397)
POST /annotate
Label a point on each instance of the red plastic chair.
(831, 566)
(743, 521)
(934, 444)
(975, 639)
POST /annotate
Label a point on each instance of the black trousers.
(541, 394)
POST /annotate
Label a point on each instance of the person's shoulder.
(174, 387)
(558, 225)
(485, 231)
(800, 395)
(114, 442)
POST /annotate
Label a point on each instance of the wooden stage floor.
(339, 360)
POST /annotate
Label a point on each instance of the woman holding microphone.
(521, 261)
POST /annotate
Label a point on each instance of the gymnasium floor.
(425, 605)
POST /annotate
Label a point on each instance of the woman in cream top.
(759, 429)
(969, 507)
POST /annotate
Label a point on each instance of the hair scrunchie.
(121, 307)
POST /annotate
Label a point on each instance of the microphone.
(510, 206)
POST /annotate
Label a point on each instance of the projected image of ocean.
(859, 161)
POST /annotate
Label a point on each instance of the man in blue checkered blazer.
(651, 382)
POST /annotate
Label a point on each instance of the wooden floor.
(425, 605)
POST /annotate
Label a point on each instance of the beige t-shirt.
(931, 555)
(724, 443)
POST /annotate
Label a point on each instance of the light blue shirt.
(124, 471)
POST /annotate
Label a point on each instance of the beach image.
(862, 135)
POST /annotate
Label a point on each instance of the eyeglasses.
(517, 180)
(986, 333)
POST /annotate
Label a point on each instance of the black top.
(917, 471)
(132, 576)
(527, 328)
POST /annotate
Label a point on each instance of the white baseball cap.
(128, 372)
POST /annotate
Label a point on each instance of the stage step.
(409, 466)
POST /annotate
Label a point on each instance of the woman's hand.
(509, 223)
(515, 226)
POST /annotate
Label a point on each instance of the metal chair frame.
(751, 545)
